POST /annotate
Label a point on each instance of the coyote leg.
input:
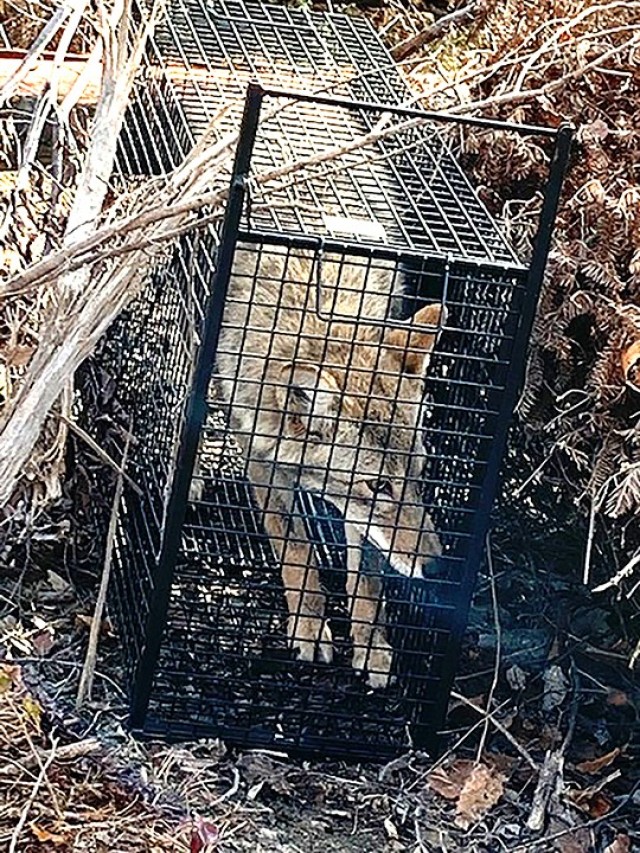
(371, 651)
(307, 628)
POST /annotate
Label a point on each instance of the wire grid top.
(407, 191)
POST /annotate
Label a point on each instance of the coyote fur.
(325, 393)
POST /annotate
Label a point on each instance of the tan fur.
(325, 394)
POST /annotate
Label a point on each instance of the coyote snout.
(326, 395)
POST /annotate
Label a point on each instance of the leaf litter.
(563, 691)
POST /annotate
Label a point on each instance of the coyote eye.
(380, 487)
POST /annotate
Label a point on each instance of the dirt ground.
(564, 709)
(542, 748)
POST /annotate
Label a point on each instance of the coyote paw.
(312, 639)
(375, 661)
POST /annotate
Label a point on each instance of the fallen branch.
(42, 776)
(36, 80)
(408, 46)
(549, 787)
(70, 333)
(86, 678)
(490, 715)
(35, 51)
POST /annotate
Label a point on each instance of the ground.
(561, 688)
(543, 743)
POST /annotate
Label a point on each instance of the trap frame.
(197, 591)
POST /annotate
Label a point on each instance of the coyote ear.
(411, 347)
(307, 394)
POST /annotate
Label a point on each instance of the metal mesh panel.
(306, 584)
(226, 636)
(204, 56)
(149, 355)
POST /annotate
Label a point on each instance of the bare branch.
(35, 51)
(415, 42)
(86, 679)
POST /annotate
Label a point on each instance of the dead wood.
(548, 788)
(88, 670)
(36, 80)
(410, 45)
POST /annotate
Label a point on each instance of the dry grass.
(575, 457)
(57, 797)
(529, 62)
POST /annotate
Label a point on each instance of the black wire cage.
(319, 392)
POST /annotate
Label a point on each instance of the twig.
(514, 57)
(502, 729)
(498, 657)
(15, 837)
(586, 571)
(109, 460)
(551, 778)
(550, 781)
(625, 572)
(452, 749)
(68, 752)
(49, 101)
(408, 46)
(88, 670)
(552, 41)
(71, 751)
(547, 840)
(87, 74)
(512, 97)
(42, 40)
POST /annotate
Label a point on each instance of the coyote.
(326, 394)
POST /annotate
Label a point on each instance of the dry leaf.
(620, 844)
(593, 191)
(577, 841)
(516, 677)
(591, 801)
(630, 360)
(500, 763)
(11, 261)
(597, 764)
(254, 790)
(599, 805)
(84, 621)
(9, 677)
(594, 131)
(390, 828)
(33, 709)
(17, 355)
(47, 837)
(203, 835)
(57, 583)
(555, 688)
(450, 781)
(480, 792)
(43, 641)
(476, 787)
(617, 698)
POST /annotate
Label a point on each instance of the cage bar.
(320, 392)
